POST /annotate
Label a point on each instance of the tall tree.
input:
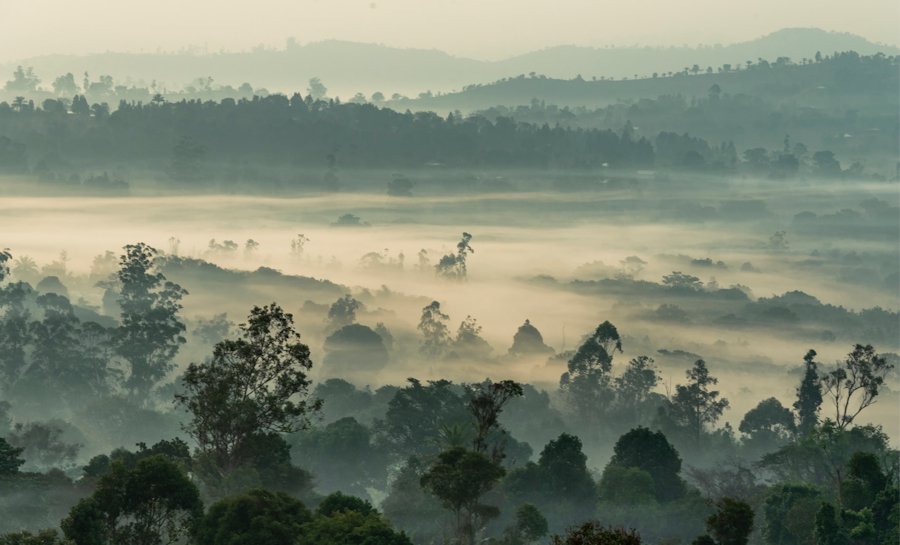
(809, 396)
(150, 332)
(459, 478)
(453, 266)
(254, 385)
(694, 404)
(588, 380)
(486, 401)
(854, 386)
(435, 333)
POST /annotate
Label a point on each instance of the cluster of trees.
(443, 461)
(186, 138)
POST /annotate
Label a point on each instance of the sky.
(483, 29)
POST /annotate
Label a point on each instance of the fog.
(522, 239)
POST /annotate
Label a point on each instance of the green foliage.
(695, 405)
(151, 502)
(626, 486)
(486, 402)
(789, 511)
(352, 528)
(559, 484)
(150, 333)
(591, 533)
(459, 478)
(651, 452)
(337, 503)
(418, 413)
(252, 386)
(732, 522)
(9, 458)
(44, 537)
(254, 517)
(342, 455)
(809, 396)
(588, 380)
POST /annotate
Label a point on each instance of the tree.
(855, 386)
(530, 523)
(469, 343)
(435, 333)
(338, 503)
(789, 512)
(459, 478)
(528, 341)
(486, 401)
(254, 517)
(24, 81)
(453, 266)
(65, 86)
(150, 332)
(559, 484)
(828, 530)
(732, 522)
(588, 380)
(768, 425)
(317, 89)
(809, 396)
(343, 312)
(694, 405)
(354, 348)
(681, 281)
(352, 528)
(253, 385)
(43, 537)
(9, 458)
(651, 452)
(592, 533)
(635, 385)
(152, 503)
(419, 414)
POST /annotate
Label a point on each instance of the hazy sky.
(475, 28)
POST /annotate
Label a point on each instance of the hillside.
(347, 68)
(844, 80)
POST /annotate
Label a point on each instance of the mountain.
(347, 67)
(794, 43)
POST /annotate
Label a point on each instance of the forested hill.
(348, 68)
(846, 79)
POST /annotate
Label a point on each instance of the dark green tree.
(459, 478)
(732, 522)
(588, 380)
(9, 458)
(254, 385)
(254, 517)
(150, 331)
(486, 402)
(694, 404)
(152, 503)
(592, 533)
(809, 396)
(337, 502)
(651, 452)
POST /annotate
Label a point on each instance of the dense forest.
(278, 458)
(648, 306)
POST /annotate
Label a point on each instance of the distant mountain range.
(347, 67)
